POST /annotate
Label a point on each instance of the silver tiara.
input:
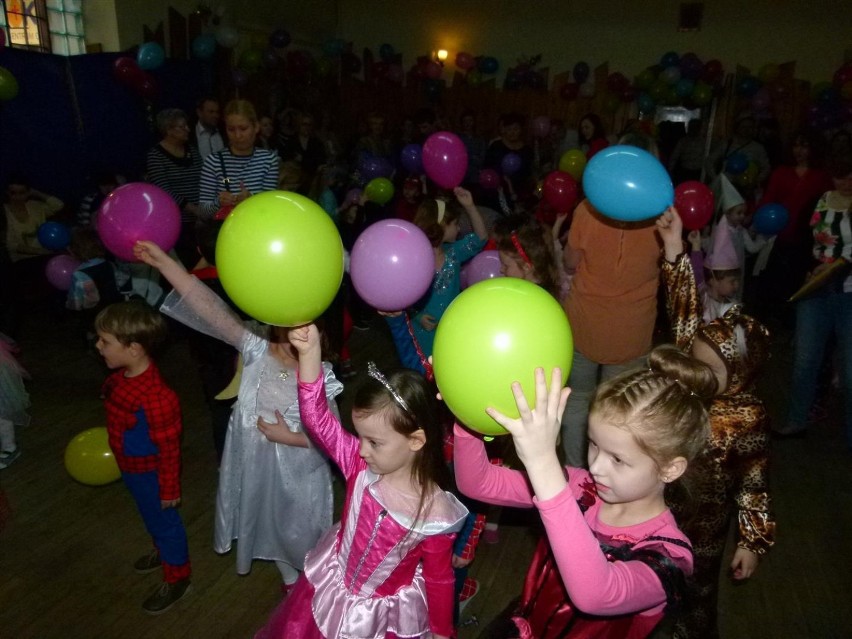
(374, 372)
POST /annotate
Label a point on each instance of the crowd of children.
(664, 446)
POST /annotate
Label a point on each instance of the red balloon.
(712, 72)
(489, 179)
(147, 86)
(433, 70)
(445, 159)
(127, 71)
(465, 61)
(560, 191)
(843, 75)
(694, 202)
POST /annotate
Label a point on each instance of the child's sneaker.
(469, 590)
(166, 596)
(148, 563)
(7, 457)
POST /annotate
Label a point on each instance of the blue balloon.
(770, 219)
(510, 164)
(333, 47)
(736, 163)
(150, 56)
(748, 85)
(279, 39)
(669, 59)
(646, 103)
(411, 158)
(684, 87)
(204, 46)
(627, 183)
(373, 167)
(488, 65)
(54, 236)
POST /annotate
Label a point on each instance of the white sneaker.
(7, 457)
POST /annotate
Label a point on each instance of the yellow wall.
(629, 34)
(100, 23)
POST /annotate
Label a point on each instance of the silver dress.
(275, 500)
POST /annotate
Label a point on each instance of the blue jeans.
(583, 380)
(817, 318)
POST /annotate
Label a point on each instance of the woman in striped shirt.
(240, 169)
(828, 311)
(175, 166)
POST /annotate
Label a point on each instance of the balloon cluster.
(388, 68)
(580, 87)
(675, 80)
(525, 75)
(475, 68)
(136, 74)
(831, 102)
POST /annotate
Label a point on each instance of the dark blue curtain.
(71, 119)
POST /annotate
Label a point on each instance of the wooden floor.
(66, 555)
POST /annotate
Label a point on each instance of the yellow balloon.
(496, 332)
(89, 460)
(573, 162)
(280, 258)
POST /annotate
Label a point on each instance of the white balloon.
(587, 90)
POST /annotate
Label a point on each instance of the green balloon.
(280, 258)
(379, 190)
(8, 85)
(494, 333)
(251, 60)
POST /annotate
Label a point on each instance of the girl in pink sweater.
(613, 559)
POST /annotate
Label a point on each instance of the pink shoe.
(491, 535)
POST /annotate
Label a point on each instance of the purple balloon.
(484, 266)
(445, 159)
(239, 77)
(510, 164)
(412, 158)
(373, 167)
(59, 271)
(392, 265)
(138, 211)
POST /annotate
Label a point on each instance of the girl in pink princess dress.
(385, 570)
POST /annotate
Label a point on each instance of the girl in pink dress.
(385, 570)
(614, 558)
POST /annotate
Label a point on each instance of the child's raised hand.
(151, 254)
(427, 322)
(303, 338)
(536, 430)
(670, 228)
(694, 239)
(463, 196)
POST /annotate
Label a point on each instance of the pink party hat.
(722, 255)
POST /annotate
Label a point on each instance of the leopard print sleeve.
(683, 304)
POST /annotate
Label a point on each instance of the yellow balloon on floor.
(89, 460)
(494, 333)
(280, 258)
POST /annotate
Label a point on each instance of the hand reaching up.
(670, 228)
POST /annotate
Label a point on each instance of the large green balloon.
(280, 258)
(8, 85)
(496, 332)
(89, 460)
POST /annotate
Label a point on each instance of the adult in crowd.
(511, 141)
(826, 312)
(797, 185)
(305, 147)
(175, 166)
(240, 169)
(612, 305)
(206, 136)
(591, 135)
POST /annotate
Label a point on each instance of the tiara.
(374, 372)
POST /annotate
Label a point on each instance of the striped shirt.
(256, 173)
(175, 175)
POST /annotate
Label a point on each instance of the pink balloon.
(59, 271)
(445, 159)
(392, 265)
(484, 266)
(138, 211)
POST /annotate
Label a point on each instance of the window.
(52, 26)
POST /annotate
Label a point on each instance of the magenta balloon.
(59, 271)
(392, 265)
(445, 159)
(484, 266)
(138, 211)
